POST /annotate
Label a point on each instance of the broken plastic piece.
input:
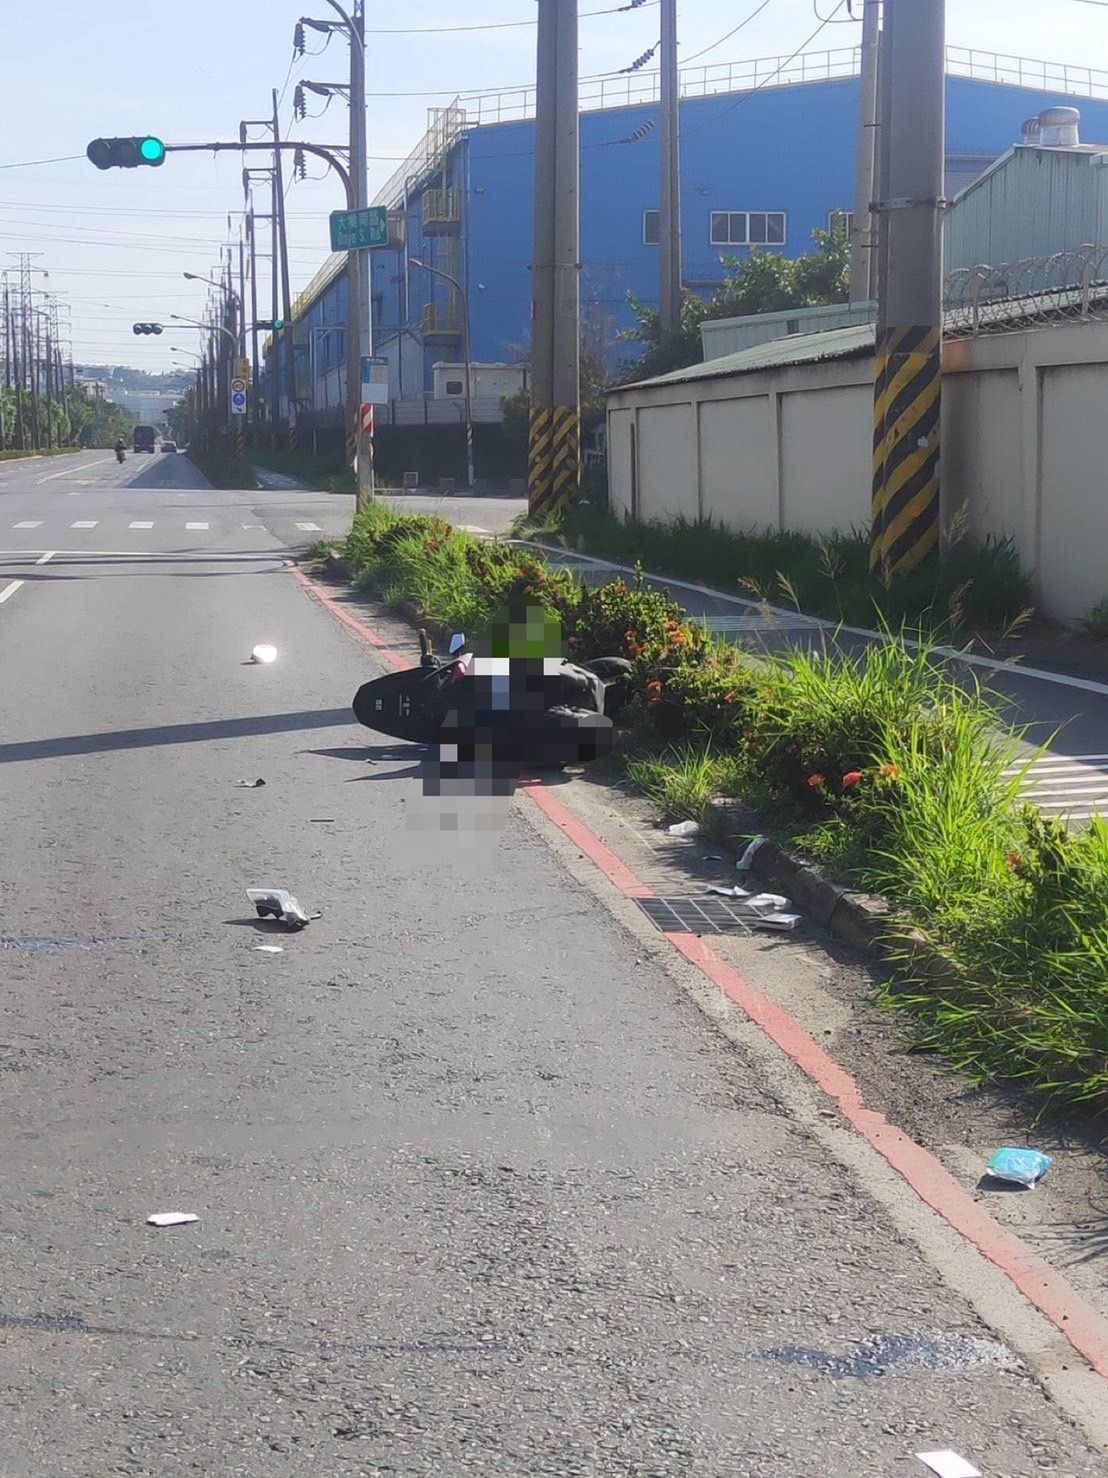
(249, 784)
(171, 1219)
(768, 900)
(745, 861)
(264, 653)
(684, 828)
(279, 904)
(733, 892)
(784, 922)
(270, 949)
(948, 1464)
(1021, 1167)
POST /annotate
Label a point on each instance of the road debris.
(684, 828)
(1020, 1167)
(948, 1464)
(270, 949)
(249, 784)
(279, 904)
(264, 653)
(171, 1219)
(771, 910)
(746, 860)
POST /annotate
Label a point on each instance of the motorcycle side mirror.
(457, 642)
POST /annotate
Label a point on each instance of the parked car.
(169, 446)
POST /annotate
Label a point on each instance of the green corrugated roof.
(833, 343)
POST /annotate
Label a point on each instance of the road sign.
(375, 379)
(238, 397)
(354, 230)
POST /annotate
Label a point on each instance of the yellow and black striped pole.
(554, 432)
(907, 385)
(907, 377)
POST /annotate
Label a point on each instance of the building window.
(455, 387)
(651, 227)
(841, 221)
(748, 228)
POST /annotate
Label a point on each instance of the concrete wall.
(1024, 439)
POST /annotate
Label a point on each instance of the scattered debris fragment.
(279, 904)
(684, 828)
(249, 784)
(270, 949)
(734, 892)
(264, 653)
(768, 909)
(948, 1464)
(171, 1219)
(1020, 1167)
(746, 860)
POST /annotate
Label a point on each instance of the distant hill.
(144, 395)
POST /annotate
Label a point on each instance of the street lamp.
(460, 290)
(195, 277)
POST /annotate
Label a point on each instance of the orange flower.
(654, 691)
(816, 781)
(728, 697)
(1013, 860)
(891, 772)
(851, 778)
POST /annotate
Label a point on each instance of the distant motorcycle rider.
(120, 450)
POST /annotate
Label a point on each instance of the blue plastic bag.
(1022, 1167)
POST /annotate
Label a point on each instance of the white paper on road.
(948, 1464)
(264, 653)
(171, 1219)
(269, 949)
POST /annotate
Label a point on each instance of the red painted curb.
(1084, 1328)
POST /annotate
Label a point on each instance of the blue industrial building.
(767, 156)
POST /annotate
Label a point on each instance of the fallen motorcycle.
(534, 714)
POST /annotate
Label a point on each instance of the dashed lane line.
(85, 523)
(198, 527)
(28, 523)
(9, 590)
(140, 524)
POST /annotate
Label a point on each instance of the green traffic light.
(152, 150)
(278, 323)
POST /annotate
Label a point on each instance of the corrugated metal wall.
(1034, 203)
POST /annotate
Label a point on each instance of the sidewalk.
(1064, 709)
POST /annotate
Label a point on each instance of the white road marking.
(140, 525)
(28, 523)
(197, 526)
(253, 525)
(69, 471)
(46, 558)
(85, 523)
(308, 527)
(9, 590)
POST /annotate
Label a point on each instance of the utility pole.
(905, 521)
(669, 200)
(554, 441)
(283, 249)
(863, 257)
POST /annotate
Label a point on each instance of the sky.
(115, 243)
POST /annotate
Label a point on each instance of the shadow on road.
(195, 733)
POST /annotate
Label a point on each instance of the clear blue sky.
(116, 243)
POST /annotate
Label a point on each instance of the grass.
(980, 585)
(13, 454)
(880, 764)
(317, 472)
(1095, 624)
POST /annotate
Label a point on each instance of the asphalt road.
(480, 1188)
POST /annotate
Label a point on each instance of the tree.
(763, 282)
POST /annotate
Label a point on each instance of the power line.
(746, 96)
(497, 25)
(30, 163)
(704, 51)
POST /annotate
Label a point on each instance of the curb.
(860, 920)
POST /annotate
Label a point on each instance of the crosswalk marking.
(85, 523)
(197, 526)
(308, 527)
(139, 524)
(1071, 787)
(28, 523)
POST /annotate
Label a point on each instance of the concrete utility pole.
(286, 294)
(907, 367)
(554, 449)
(669, 199)
(863, 257)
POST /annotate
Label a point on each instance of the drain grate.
(693, 915)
